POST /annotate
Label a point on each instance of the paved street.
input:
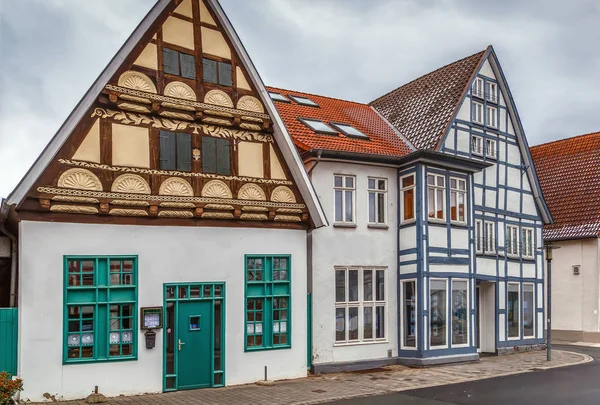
(575, 385)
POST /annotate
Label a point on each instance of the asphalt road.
(574, 385)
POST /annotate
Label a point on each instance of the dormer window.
(491, 93)
(477, 89)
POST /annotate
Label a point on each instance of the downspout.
(4, 209)
(319, 153)
(309, 266)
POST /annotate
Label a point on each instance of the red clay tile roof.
(383, 140)
(569, 174)
(422, 109)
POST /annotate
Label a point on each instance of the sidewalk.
(330, 387)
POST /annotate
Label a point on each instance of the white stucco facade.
(354, 246)
(165, 255)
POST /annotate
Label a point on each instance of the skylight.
(349, 130)
(304, 101)
(279, 97)
(318, 126)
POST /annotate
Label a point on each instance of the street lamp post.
(548, 246)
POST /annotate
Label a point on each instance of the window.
(407, 191)
(490, 148)
(492, 92)
(360, 305)
(436, 196)
(527, 244)
(477, 145)
(216, 156)
(344, 199)
(438, 320)
(100, 309)
(492, 116)
(179, 64)
(349, 130)
(460, 316)
(409, 313)
(513, 310)
(279, 97)
(458, 200)
(512, 240)
(268, 299)
(217, 72)
(377, 200)
(477, 89)
(304, 101)
(485, 237)
(318, 126)
(478, 113)
(175, 151)
(528, 311)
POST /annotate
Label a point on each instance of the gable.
(176, 128)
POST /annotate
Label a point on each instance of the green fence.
(8, 340)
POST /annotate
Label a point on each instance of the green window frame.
(268, 300)
(100, 308)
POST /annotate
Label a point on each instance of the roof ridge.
(570, 138)
(319, 95)
(427, 74)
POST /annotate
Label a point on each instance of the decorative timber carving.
(176, 214)
(254, 217)
(135, 99)
(287, 218)
(177, 115)
(283, 194)
(134, 107)
(252, 127)
(218, 121)
(176, 186)
(219, 113)
(74, 209)
(217, 215)
(177, 205)
(250, 103)
(81, 200)
(126, 212)
(130, 184)
(288, 211)
(222, 207)
(80, 179)
(255, 209)
(251, 191)
(130, 203)
(180, 90)
(216, 189)
(137, 81)
(218, 97)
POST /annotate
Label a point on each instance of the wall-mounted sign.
(152, 317)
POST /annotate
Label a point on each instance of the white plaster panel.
(501, 295)
(408, 257)
(89, 150)
(529, 206)
(501, 175)
(514, 177)
(478, 196)
(166, 254)
(148, 58)
(540, 321)
(540, 295)
(540, 266)
(438, 236)
(4, 247)
(490, 176)
(510, 129)
(464, 112)
(178, 32)
(437, 254)
(214, 43)
(500, 229)
(463, 141)
(501, 327)
(502, 118)
(514, 155)
(486, 70)
(502, 150)
(501, 194)
(526, 184)
(478, 178)
(449, 142)
(460, 238)
(448, 268)
(486, 266)
(514, 269)
(513, 201)
(408, 268)
(408, 238)
(490, 198)
(529, 270)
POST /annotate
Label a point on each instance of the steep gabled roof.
(569, 174)
(383, 139)
(423, 109)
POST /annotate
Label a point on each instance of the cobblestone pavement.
(330, 387)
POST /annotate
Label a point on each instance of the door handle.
(179, 343)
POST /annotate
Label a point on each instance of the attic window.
(304, 101)
(349, 130)
(318, 126)
(279, 97)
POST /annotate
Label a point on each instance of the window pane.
(460, 319)
(528, 310)
(381, 185)
(371, 207)
(350, 182)
(209, 68)
(340, 286)
(340, 324)
(348, 214)
(368, 323)
(513, 310)
(368, 285)
(380, 208)
(372, 184)
(408, 181)
(437, 321)
(461, 207)
(380, 285)
(353, 321)
(453, 208)
(352, 285)
(337, 181)
(440, 204)
(338, 206)
(380, 322)
(409, 203)
(431, 202)
(409, 314)
(430, 179)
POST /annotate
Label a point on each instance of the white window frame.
(458, 191)
(468, 312)
(477, 145)
(478, 88)
(520, 298)
(491, 119)
(526, 247)
(483, 243)
(436, 204)
(512, 248)
(343, 188)
(491, 92)
(376, 191)
(361, 304)
(490, 148)
(402, 299)
(478, 118)
(404, 220)
(445, 280)
(534, 315)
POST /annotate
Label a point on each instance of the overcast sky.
(52, 50)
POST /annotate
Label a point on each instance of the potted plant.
(8, 388)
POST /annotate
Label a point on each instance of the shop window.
(407, 198)
(217, 72)
(179, 64)
(436, 196)
(344, 189)
(438, 319)
(103, 328)
(175, 151)
(268, 302)
(458, 200)
(409, 313)
(460, 312)
(513, 311)
(216, 156)
(360, 305)
(528, 310)
(377, 189)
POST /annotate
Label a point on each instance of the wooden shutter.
(209, 70)
(170, 61)
(225, 78)
(209, 154)
(223, 161)
(184, 152)
(188, 66)
(167, 152)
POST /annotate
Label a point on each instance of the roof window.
(318, 126)
(349, 130)
(279, 97)
(304, 101)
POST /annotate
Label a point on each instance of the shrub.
(9, 387)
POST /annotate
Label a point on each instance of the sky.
(52, 50)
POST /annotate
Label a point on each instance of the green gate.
(8, 340)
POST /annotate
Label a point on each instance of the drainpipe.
(4, 209)
(319, 153)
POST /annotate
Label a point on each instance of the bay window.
(436, 196)
(460, 312)
(458, 200)
(408, 296)
(438, 320)
(407, 198)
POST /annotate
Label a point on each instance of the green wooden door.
(8, 340)
(194, 357)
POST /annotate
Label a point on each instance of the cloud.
(52, 50)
